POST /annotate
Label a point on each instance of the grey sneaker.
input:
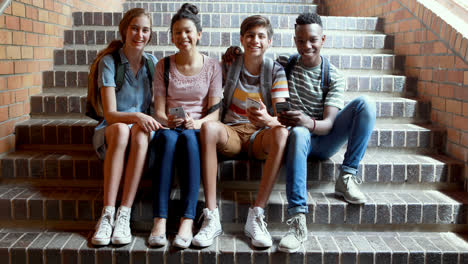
(104, 227)
(256, 228)
(297, 234)
(347, 186)
(211, 228)
(122, 233)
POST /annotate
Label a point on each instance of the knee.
(139, 138)
(279, 135)
(299, 134)
(366, 106)
(209, 131)
(117, 135)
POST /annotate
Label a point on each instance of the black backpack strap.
(214, 108)
(325, 83)
(119, 70)
(167, 66)
(292, 61)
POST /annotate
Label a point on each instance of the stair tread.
(377, 166)
(400, 208)
(354, 246)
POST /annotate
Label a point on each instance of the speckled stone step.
(409, 209)
(76, 59)
(16, 246)
(77, 77)
(80, 131)
(232, 19)
(377, 166)
(219, 7)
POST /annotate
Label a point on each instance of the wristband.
(314, 125)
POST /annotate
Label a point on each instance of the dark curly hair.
(308, 18)
(187, 11)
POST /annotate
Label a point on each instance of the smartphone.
(177, 111)
(252, 103)
(282, 106)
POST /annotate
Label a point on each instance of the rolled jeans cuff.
(345, 169)
(298, 210)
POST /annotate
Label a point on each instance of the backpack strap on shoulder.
(232, 77)
(150, 71)
(325, 83)
(266, 83)
(167, 67)
(292, 61)
(119, 70)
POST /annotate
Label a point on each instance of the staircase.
(51, 186)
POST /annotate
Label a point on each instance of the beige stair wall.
(30, 30)
(436, 56)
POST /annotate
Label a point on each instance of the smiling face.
(138, 32)
(185, 35)
(255, 41)
(309, 41)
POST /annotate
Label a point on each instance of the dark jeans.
(183, 145)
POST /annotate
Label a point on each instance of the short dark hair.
(309, 18)
(187, 11)
(254, 21)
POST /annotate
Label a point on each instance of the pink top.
(190, 92)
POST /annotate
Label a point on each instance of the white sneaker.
(104, 227)
(256, 228)
(210, 229)
(122, 233)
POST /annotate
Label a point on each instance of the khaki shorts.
(239, 139)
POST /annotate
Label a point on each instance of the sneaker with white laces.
(122, 233)
(104, 227)
(211, 228)
(347, 186)
(256, 228)
(297, 234)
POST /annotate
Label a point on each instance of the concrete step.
(18, 245)
(69, 131)
(58, 101)
(233, 18)
(227, 7)
(378, 167)
(399, 209)
(221, 38)
(70, 59)
(356, 80)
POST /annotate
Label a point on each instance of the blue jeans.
(354, 123)
(183, 144)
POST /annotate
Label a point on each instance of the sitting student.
(195, 84)
(246, 130)
(126, 125)
(320, 128)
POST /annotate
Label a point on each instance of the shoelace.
(104, 225)
(207, 225)
(262, 225)
(122, 221)
(347, 177)
(295, 227)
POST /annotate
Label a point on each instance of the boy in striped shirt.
(320, 125)
(246, 130)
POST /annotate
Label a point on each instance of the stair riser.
(283, 8)
(354, 83)
(65, 104)
(88, 166)
(232, 20)
(80, 132)
(420, 208)
(221, 39)
(233, 249)
(377, 62)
